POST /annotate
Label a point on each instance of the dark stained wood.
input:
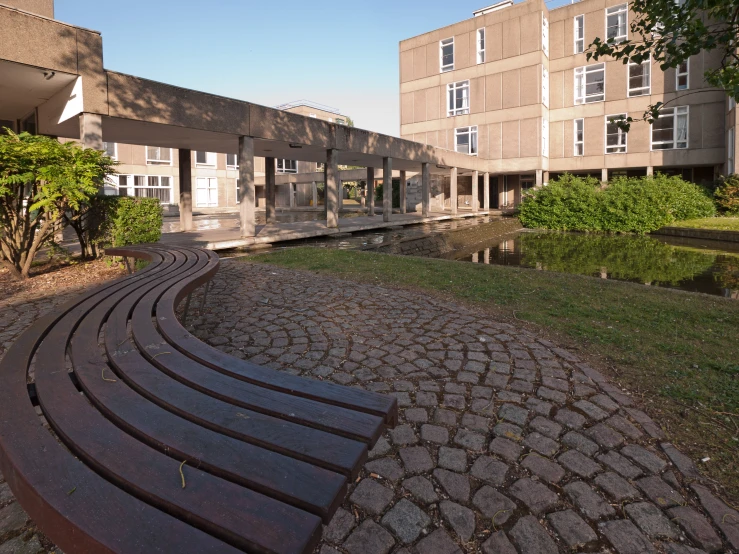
(266, 457)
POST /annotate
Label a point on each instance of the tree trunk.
(12, 269)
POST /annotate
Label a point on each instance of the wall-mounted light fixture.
(49, 75)
(295, 145)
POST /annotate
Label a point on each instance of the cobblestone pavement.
(506, 443)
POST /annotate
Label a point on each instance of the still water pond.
(687, 264)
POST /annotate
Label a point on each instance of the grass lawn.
(716, 223)
(678, 352)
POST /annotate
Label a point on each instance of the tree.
(670, 31)
(40, 180)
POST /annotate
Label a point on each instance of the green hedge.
(727, 195)
(627, 205)
(135, 221)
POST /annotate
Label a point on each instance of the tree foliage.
(40, 180)
(670, 32)
(727, 195)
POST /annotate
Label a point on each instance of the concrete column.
(486, 256)
(314, 191)
(454, 201)
(387, 188)
(403, 188)
(486, 191)
(425, 189)
(292, 194)
(91, 131)
(247, 189)
(270, 189)
(185, 166)
(539, 178)
(332, 188)
(475, 204)
(650, 170)
(341, 194)
(502, 191)
(325, 192)
(604, 175)
(371, 191)
(476, 258)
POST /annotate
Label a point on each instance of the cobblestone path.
(506, 444)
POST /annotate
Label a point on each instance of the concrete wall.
(44, 8)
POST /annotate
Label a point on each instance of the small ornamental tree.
(40, 180)
(727, 195)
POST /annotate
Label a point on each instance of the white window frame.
(143, 184)
(452, 108)
(581, 132)
(621, 147)
(672, 144)
(158, 161)
(685, 74)
(545, 35)
(579, 41)
(545, 137)
(480, 36)
(340, 121)
(284, 163)
(471, 145)
(234, 165)
(211, 158)
(212, 202)
(114, 155)
(618, 11)
(544, 86)
(442, 43)
(581, 96)
(642, 90)
(730, 162)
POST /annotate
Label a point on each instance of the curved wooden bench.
(157, 442)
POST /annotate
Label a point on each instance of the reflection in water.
(646, 260)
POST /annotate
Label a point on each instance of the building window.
(340, 121)
(579, 135)
(446, 54)
(527, 183)
(156, 155)
(287, 166)
(616, 23)
(615, 136)
(146, 186)
(590, 83)
(459, 98)
(206, 192)
(640, 78)
(111, 149)
(732, 103)
(682, 81)
(579, 34)
(205, 158)
(545, 35)
(320, 166)
(730, 154)
(465, 140)
(232, 161)
(545, 138)
(545, 86)
(670, 129)
(481, 45)
(312, 115)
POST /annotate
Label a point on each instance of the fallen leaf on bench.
(182, 474)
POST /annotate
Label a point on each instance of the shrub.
(135, 221)
(626, 205)
(727, 195)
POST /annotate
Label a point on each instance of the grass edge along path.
(676, 352)
(710, 223)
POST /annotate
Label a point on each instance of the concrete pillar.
(650, 170)
(486, 256)
(454, 201)
(475, 204)
(185, 166)
(604, 175)
(371, 191)
(425, 189)
(387, 188)
(539, 178)
(270, 189)
(325, 192)
(292, 194)
(403, 187)
(91, 131)
(332, 188)
(314, 192)
(341, 194)
(502, 191)
(486, 191)
(247, 190)
(476, 258)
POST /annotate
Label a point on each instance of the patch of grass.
(678, 352)
(716, 223)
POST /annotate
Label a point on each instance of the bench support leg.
(205, 296)
(127, 261)
(187, 307)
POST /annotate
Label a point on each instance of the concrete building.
(512, 85)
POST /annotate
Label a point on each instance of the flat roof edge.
(14, 9)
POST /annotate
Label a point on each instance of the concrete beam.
(185, 166)
(387, 188)
(247, 189)
(425, 189)
(454, 197)
(332, 188)
(270, 190)
(91, 131)
(371, 191)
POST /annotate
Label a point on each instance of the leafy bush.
(626, 205)
(727, 195)
(135, 221)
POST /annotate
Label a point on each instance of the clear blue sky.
(336, 52)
